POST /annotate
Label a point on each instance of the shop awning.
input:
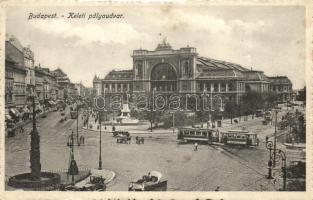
(17, 112)
(14, 112)
(26, 110)
(52, 103)
(7, 117)
(38, 107)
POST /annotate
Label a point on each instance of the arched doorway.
(163, 78)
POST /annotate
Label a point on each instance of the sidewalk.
(24, 123)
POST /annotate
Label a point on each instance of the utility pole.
(73, 168)
(100, 156)
(173, 122)
(274, 161)
(78, 142)
(35, 165)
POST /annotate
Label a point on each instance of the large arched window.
(163, 78)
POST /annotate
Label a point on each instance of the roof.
(96, 78)
(58, 72)
(253, 75)
(119, 75)
(164, 46)
(218, 73)
(44, 71)
(279, 79)
(213, 64)
(15, 42)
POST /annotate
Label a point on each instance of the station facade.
(169, 71)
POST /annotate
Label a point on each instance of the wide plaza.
(212, 167)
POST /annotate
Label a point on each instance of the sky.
(266, 38)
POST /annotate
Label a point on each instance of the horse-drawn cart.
(123, 139)
(118, 133)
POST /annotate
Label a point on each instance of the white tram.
(239, 137)
(197, 134)
(231, 137)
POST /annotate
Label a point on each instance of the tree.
(232, 109)
(181, 119)
(252, 101)
(296, 123)
(151, 116)
(302, 95)
(270, 99)
(203, 116)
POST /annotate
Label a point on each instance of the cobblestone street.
(210, 168)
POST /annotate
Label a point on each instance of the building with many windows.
(282, 86)
(182, 71)
(15, 74)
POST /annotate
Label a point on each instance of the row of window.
(195, 133)
(280, 88)
(218, 87)
(118, 87)
(9, 74)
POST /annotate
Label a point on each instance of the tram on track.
(231, 137)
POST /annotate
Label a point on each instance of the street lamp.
(100, 156)
(152, 106)
(269, 145)
(73, 168)
(284, 167)
(274, 161)
(282, 156)
(35, 145)
(173, 122)
(78, 142)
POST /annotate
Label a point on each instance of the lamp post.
(35, 165)
(100, 155)
(283, 158)
(269, 145)
(284, 168)
(211, 89)
(275, 133)
(78, 142)
(73, 168)
(152, 106)
(173, 122)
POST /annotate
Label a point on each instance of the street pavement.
(208, 169)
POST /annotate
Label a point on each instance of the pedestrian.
(80, 139)
(196, 146)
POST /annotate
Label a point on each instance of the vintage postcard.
(156, 100)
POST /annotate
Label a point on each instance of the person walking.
(196, 146)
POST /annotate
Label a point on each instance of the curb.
(111, 179)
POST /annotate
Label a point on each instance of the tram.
(239, 137)
(231, 137)
(197, 134)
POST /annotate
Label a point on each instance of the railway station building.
(183, 71)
